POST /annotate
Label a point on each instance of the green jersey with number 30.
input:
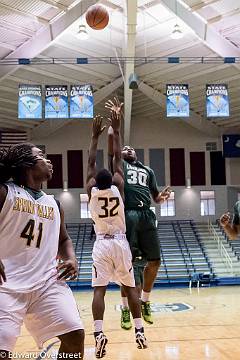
(140, 184)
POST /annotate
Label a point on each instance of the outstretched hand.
(114, 106)
(68, 269)
(225, 219)
(115, 121)
(97, 128)
(165, 194)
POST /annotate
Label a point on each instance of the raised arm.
(117, 154)
(4, 176)
(115, 118)
(97, 130)
(232, 229)
(110, 149)
(163, 195)
(68, 267)
(3, 195)
(158, 196)
(114, 106)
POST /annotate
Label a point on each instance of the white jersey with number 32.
(107, 211)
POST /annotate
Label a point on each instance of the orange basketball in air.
(97, 17)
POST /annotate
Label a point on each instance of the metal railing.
(221, 248)
(137, 60)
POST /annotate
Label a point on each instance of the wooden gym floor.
(210, 329)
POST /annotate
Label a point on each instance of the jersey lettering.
(28, 233)
(109, 212)
(134, 177)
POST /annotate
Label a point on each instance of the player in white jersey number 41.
(32, 236)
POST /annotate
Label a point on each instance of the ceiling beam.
(24, 13)
(211, 38)
(202, 4)
(49, 127)
(194, 120)
(7, 46)
(46, 36)
(23, 30)
(8, 101)
(129, 67)
(27, 123)
(111, 5)
(55, 4)
(90, 68)
(9, 89)
(7, 125)
(148, 113)
(223, 16)
(191, 75)
(57, 75)
(224, 80)
(14, 123)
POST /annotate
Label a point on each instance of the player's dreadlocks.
(15, 160)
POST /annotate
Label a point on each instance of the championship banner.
(177, 100)
(29, 101)
(56, 101)
(81, 102)
(217, 100)
(231, 145)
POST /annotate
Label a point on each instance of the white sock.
(145, 296)
(125, 303)
(98, 325)
(138, 323)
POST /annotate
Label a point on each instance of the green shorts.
(138, 274)
(138, 269)
(142, 233)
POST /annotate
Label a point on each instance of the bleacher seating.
(200, 279)
(235, 244)
(181, 251)
(83, 238)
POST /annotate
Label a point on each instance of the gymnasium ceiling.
(48, 28)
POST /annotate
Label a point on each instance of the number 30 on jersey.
(134, 177)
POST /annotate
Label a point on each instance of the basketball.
(97, 17)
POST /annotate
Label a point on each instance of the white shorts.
(47, 312)
(112, 261)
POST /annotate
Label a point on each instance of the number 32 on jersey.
(109, 206)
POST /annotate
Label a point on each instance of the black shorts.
(142, 233)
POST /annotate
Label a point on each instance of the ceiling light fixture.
(177, 33)
(82, 33)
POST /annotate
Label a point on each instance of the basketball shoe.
(125, 319)
(100, 344)
(146, 312)
(140, 339)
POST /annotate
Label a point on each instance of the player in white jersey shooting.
(112, 259)
(32, 235)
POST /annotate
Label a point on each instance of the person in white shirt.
(32, 236)
(112, 259)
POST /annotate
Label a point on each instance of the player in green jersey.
(232, 229)
(140, 188)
